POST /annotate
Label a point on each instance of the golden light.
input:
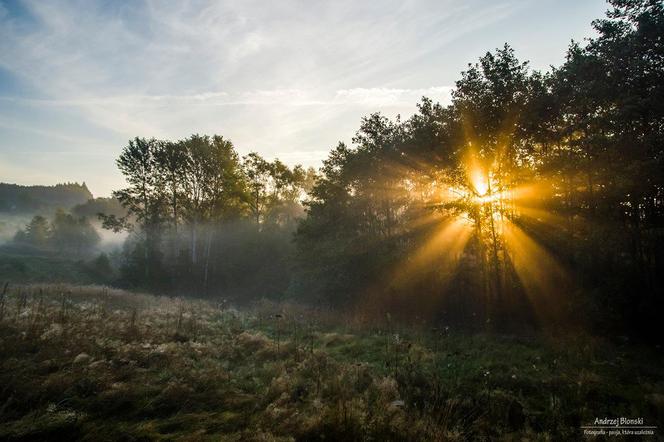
(479, 182)
(486, 202)
(544, 280)
(483, 204)
(483, 187)
(443, 246)
(487, 198)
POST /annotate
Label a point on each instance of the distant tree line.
(532, 199)
(41, 199)
(65, 233)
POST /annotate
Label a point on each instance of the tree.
(212, 183)
(37, 233)
(258, 172)
(612, 134)
(73, 235)
(143, 199)
(274, 190)
(170, 165)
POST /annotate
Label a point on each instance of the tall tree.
(143, 198)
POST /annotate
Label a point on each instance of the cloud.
(18, 125)
(380, 97)
(288, 78)
(306, 158)
(372, 97)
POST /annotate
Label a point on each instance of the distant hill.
(16, 199)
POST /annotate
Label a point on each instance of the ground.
(92, 363)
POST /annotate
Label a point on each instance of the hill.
(17, 199)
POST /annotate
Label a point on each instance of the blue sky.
(287, 79)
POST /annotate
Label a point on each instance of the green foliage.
(191, 205)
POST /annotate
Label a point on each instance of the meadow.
(95, 363)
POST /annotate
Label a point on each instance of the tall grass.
(96, 363)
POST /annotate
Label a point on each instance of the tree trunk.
(207, 260)
(146, 254)
(193, 242)
(496, 263)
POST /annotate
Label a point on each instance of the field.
(92, 363)
(30, 268)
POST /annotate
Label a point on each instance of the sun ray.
(543, 278)
(542, 216)
(444, 246)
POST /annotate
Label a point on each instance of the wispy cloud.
(288, 78)
(373, 97)
(380, 97)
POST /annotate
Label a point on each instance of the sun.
(479, 182)
(483, 189)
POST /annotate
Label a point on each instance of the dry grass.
(94, 363)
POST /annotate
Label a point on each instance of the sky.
(288, 79)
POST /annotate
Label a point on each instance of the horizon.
(77, 81)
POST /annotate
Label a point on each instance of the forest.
(489, 268)
(533, 200)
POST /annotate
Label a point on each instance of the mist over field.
(379, 221)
